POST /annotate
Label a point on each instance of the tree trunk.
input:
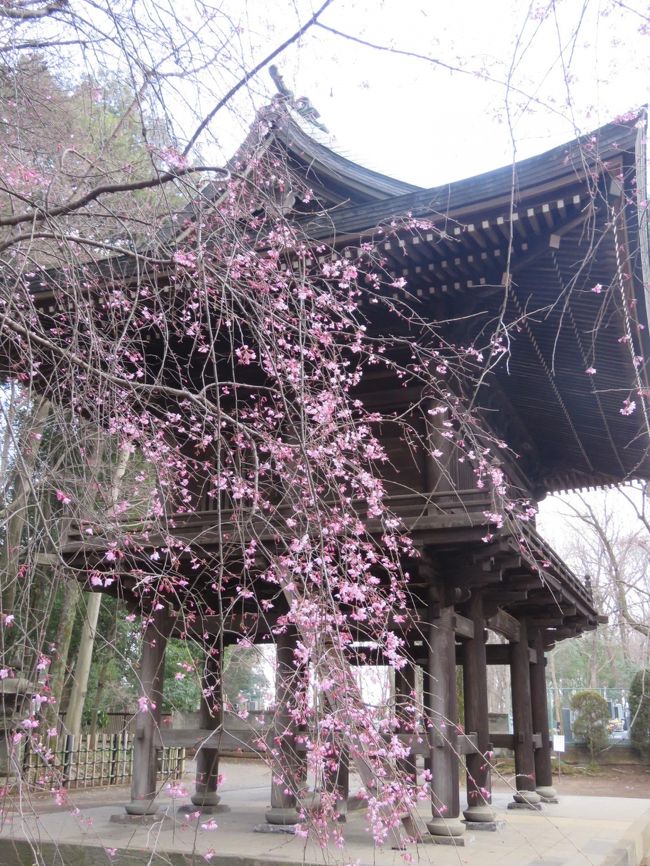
(82, 666)
(594, 669)
(87, 642)
(70, 602)
(101, 677)
(557, 696)
(16, 512)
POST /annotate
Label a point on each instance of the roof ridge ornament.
(301, 105)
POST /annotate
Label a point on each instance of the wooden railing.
(421, 508)
(419, 512)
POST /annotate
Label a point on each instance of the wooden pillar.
(436, 469)
(426, 706)
(445, 800)
(337, 780)
(522, 717)
(147, 724)
(539, 701)
(404, 698)
(479, 776)
(205, 796)
(288, 765)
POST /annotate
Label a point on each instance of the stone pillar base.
(159, 818)
(529, 798)
(479, 814)
(485, 826)
(526, 800)
(142, 807)
(288, 829)
(208, 803)
(547, 794)
(282, 817)
(456, 841)
(446, 828)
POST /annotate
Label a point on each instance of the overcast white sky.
(572, 65)
(495, 78)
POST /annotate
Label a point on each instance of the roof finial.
(302, 105)
(278, 80)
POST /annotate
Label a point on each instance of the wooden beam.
(502, 741)
(476, 577)
(505, 624)
(509, 562)
(193, 738)
(546, 621)
(524, 581)
(499, 654)
(468, 744)
(463, 626)
(505, 596)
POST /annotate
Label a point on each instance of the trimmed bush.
(590, 723)
(640, 713)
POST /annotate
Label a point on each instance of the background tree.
(590, 723)
(605, 537)
(640, 712)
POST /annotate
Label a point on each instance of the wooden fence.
(95, 762)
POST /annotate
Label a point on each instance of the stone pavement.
(600, 831)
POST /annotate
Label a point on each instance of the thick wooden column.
(337, 780)
(288, 765)
(522, 717)
(479, 776)
(445, 800)
(436, 469)
(426, 706)
(210, 719)
(405, 697)
(147, 724)
(543, 766)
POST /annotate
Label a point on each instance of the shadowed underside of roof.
(567, 222)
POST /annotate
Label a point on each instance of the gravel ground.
(623, 780)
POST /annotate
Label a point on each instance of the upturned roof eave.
(321, 158)
(559, 167)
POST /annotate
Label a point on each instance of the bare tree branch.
(253, 72)
(108, 189)
(23, 13)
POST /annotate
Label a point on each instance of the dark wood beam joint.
(463, 627)
(505, 624)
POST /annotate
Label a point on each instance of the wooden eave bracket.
(504, 624)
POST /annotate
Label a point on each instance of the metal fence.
(94, 762)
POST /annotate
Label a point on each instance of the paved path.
(600, 831)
